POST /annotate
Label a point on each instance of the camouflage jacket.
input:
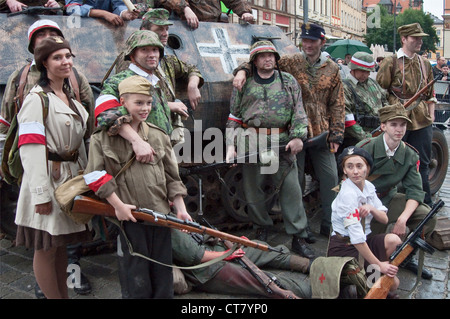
(410, 75)
(112, 118)
(176, 6)
(322, 93)
(8, 107)
(266, 104)
(210, 10)
(171, 71)
(362, 101)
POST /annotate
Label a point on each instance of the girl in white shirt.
(352, 211)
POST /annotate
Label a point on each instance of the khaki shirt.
(409, 76)
(147, 185)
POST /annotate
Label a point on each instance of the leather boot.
(300, 247)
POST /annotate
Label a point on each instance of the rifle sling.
(136, 254)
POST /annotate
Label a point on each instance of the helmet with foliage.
(142, 38)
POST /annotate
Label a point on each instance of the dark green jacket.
(387, 172)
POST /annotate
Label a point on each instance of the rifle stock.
(383, 285)
(87, 205)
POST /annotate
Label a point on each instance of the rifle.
(414, 241)
(319, 142)
(377, 131)
(86, 205)
(271, 285)
(35, 10)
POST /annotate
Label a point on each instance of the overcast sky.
(435, 7)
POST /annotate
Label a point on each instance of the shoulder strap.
(18, 99)
(73, 79)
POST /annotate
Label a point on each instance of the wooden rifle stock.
(268, 283)
(87, 205)
(383, 285)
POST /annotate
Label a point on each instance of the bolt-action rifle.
(414, 241)
(407, 105)
(86, 205)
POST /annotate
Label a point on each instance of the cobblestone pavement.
(17, 280)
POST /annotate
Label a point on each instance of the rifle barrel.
(87, 205)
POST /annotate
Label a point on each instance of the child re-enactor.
(352, 212)
(150, 185)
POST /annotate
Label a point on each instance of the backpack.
(11, 163)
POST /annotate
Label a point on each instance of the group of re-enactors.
(134, 112)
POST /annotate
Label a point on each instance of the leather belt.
(266, 131)
(382, 194)
(71, 157)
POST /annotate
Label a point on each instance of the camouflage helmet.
(158, 16)
(362, 61)
(142, 38)
(263, 46)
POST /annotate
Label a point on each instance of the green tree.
(384, 33)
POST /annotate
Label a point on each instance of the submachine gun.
(318, 142)
(414, 241)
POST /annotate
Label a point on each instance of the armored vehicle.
(216, 49)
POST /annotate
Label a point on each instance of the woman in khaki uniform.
(52, 151)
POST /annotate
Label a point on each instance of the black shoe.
(300, 247)
(85, 286)
(261, 234)
(311, 239)
(413, 266)
(38, 292)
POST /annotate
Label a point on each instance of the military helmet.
(142, 38)
(362, 61)
(263, 46)
(40, 25)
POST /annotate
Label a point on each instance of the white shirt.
(153, 79)
(389, 152)
(345, 218)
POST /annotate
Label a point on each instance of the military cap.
(312, 31)
(142, 38)
(353, 150)
(362, 61)
(157, 16)
(135, 84)
(39, 25)
(391, 112)
(263, 46)
(46, 47)
(413, 29)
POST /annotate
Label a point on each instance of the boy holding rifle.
(151, 184)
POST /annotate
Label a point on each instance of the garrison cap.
(157, 16)
(135, 84)
(391, 112)
(263, 46)
(142, 38)
(413, 29)
(353, 150)
(46, 47)
(39, 25)
(362, 61)
(312, 31)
